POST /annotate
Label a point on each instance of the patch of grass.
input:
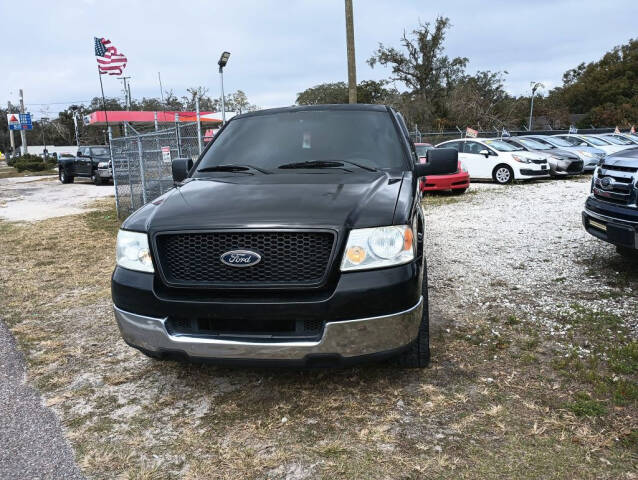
(512, 320)
(435, 199)
(584, 406)
(624, 359)
(104, 219)
(10, 172)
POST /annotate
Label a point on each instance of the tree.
(607, 84)
(368, 91)
(422, 67)
(324, 93)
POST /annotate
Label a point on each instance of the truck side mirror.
(79, 154)
(440, 161)
(180, 168)
(485, 152)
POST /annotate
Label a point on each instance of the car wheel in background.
(97, 180)
(503, 174)
(64, 178)
(627, 252)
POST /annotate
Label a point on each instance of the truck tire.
(417, 355)
(97, 179)
(627, 252)
(503, 174)
(64, 178)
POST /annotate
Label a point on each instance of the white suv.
(494, 159)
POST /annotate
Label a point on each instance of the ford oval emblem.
(240, 258)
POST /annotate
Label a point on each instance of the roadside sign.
(13, 119)
(166, 154)
(19, 121)
(470, 132)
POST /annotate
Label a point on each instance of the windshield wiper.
(232, 168)
(327, 164)
(314, 164)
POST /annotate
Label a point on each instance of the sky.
(279, 48)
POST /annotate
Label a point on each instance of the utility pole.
(11, 137)
(352, 68)
(23, 133)
(43, 122)
(127, 91)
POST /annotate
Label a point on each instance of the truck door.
(83, 164)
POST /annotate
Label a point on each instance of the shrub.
(32, 163)
(22, 165)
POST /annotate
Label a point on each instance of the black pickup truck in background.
(611, 211)
(90, 162)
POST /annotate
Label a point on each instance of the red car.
(457, 182)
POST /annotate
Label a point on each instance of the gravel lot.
(38, 198)
(534, 369)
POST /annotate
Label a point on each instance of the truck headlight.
(132, 251)
(103, 165)
(378, 247)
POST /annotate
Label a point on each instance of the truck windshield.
(367, 138)
(99, 152)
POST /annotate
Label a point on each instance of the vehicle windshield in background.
(100, 152)
(422, 150)
(619, 141)
(555, 142)
(570, 141)
(270, 141)
(534, 144)
(598, 141)
(502, 146)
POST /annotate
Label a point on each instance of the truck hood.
(619, 160)
(268, 201)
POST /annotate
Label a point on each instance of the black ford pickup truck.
(90, 162)
(611, 211)
(297, 237)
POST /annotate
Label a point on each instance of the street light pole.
(535, 86)
(75, 126)
(223, 60)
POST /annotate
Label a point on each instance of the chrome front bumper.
(348, 338)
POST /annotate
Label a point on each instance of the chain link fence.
(142, 163)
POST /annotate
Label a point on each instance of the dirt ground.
(534, 367)
(41, 197)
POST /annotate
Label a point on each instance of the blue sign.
(25, 121)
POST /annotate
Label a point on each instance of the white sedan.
(494, 159)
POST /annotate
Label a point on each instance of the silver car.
(625, 139)
(561, 162)
(589, 155)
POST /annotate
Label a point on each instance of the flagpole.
(106, 117)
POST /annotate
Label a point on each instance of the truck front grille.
(288, 258)
(621, 190)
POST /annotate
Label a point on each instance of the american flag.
(109, 60)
